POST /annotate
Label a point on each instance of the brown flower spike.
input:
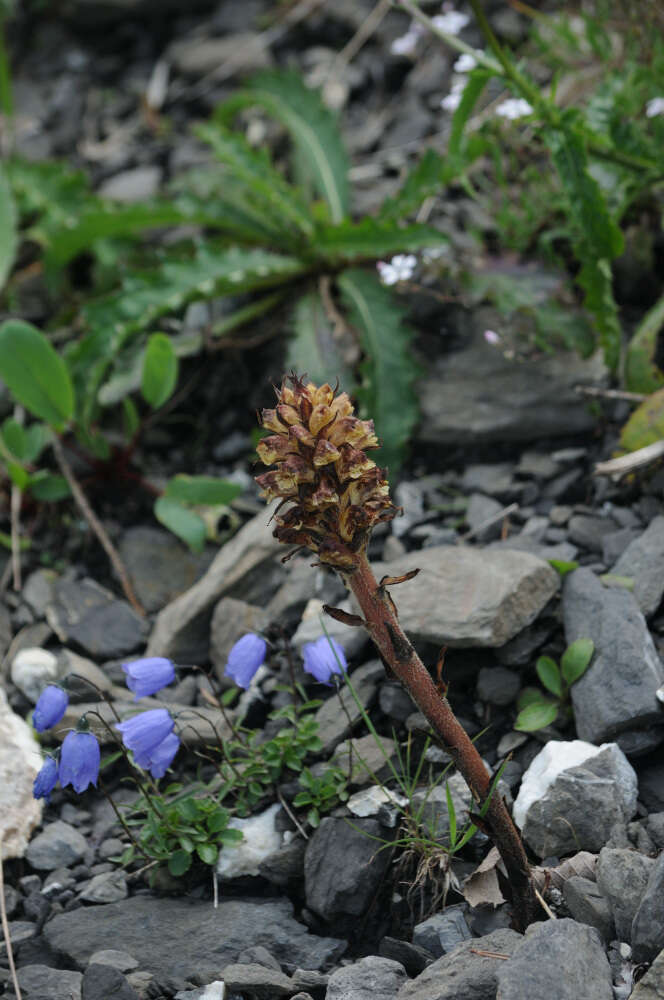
(337, 492)
(332, 495)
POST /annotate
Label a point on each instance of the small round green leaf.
(49, 487)
(13, 437)
(548, 673)
(576, 660)
(527, 696)
(35, 373)
(182, 522)
(536, 716)
(208, 853)
(179, 862)
(160, 370)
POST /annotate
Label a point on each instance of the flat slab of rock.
(186, 938)
(615, 699)
(648, 923)
(199, 725)
(20, 762)
(84, 614)
(160, 567)
(560, 960)
(464, 972)
(466, 596)
(39, 982)
(643, 560)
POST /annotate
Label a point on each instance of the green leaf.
(646, 424)
(642, 374)
(18, 475)
(130, 418)
(451, 812)
(313, 129)
(527, 696)
(537, 715)
(563, 566)
(230, 837)
(49, 487)
(205, 490)
(13, 436)
(160, 370)
(576, 660)
(218, 821)
(477, 81)
(351, 241)
(549, 674)
(427, 178)
(388, 371)
(182, 522)
(35, 373)
(208, 853)
(186, 843)
(313, 817)
(313, 348)
(8, 229)
(179, 862)
(596, 279)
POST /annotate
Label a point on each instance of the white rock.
(32, 669)
(368, 801)
(552, 760)
(214, 991)
(20, 761)
(261, 839)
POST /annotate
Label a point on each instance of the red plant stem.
(396, 650)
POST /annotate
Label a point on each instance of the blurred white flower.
(453, 99)
(433, 253)
(452, 21)
(400, 268)
(465, 63)
(655, 107)
(406, 44)
(492, 337)
(513, 108)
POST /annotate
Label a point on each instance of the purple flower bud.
(50, 707)
(158, 760)
(244, 659)
(144, 732)
(46, 780)
(79, 761)
(320, 660)
(147, 676)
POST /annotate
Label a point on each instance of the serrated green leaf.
(179, 863)
(313, 348)
(373, 239)
(204, 490)
(312, 127)
(597, 282)
(49, 487)
(183, 522)
(576, 660)
(642, 374)
(536, 716)
(160, 370)
(388, 371)
(549, 675)
(427, 178)
(646, 424)
(35, 373)
(8, 229)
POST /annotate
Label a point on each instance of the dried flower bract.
(332, 493)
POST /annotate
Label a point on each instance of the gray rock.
(333, 715)
(103, 982)
(648, 924)
(303, 582)
(643, 560)
(651, 987)
(497, 685)
(6, 630)
(153, 929)
(432, 807)
(465, 596)
(371, 978)
(560, 960)
(362, 758)
(477, 396)
(182, 627)
(442, 932)
(343, 867)
(588, 906)
(259, 981)
(493, 480)
(258, 955)
(160, 567)
(109, 887)
(588, 531)
(19, 931)
(231, 619)
(615, 543)
(39, 982)
(413, 958)
(86, 615)
(132, 185)
(201, 56)
(481, 510)
(519, 651)
(464, 974)
(37, 590)
(655, 828)
(284, 867)
(120, 960)
(622, 877)
(57, 846)
(615, 698)
(395, 702)
(537, 465)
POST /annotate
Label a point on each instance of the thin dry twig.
(627, 463)
(15, 516)
(490, 954)
(498, 516)
(545, 906)
(96, 525)
(292, 815)
(362, 35)
(5, 928)
(597, 392)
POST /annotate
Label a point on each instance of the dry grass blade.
(5, 929)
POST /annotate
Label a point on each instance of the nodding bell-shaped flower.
(147, 676)
(158, 760)
(51, 706)
(144, 732)
(323, 658)
(244, 659)
(46, 780)
(333, 493)
(79, 760)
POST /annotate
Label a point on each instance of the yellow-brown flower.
(336, 493)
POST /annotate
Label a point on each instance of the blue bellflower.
(244, 659)
(79, 761)
(144, 732)
(158, 760)
(320, 660)
(147, 676)
(50, 707)
(46, 780)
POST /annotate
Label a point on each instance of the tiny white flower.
(387, 273)
(452, 21)
(513, 108)
(406, 44)
(465, 63)
(400, 268)
(655, 107)
(453, 99)
(492, 337)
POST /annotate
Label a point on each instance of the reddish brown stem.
(397, 651)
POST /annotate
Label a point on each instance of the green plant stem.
(6, 97)
(451, 40)
(398, 653)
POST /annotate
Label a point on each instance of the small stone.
(59, 845)
(39, 982)
(492, 480)
(132, 185)
(648, 924)
(106, 888)
(655, 827)
(413, 958)
(622, 877)
(559, 515)
(104, 982)
(259, 981)
(37, 590)
(85, 614)
(497, 685)
(537, 465)
(334, 714)
(468, 971)
(32, 670)
(614, 544)
(443, 931)
(588, 531)
(395, 702)
(587, 905)
(371, 978)
(118, 959)
(482, 517)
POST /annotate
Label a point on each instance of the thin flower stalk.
(332, 494)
